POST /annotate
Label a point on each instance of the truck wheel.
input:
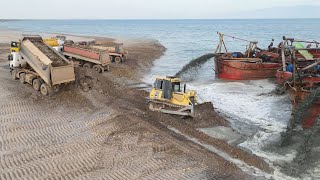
(87, 65)
(36, 84)
(14, 74)
(45, 89)
(117, 60)
(22, 78)
(97, 68)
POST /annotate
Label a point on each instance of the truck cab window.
(14, 44)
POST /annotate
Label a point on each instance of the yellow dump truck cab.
(169, 89)
(15, 46)
(53, 42)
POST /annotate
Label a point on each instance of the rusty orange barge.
(253, 64)
(304, 85)
(244, 69)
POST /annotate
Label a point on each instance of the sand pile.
(206, 116)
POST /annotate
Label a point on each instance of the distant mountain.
(306, 11)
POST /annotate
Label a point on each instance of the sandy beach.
(107, 132)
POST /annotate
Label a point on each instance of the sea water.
(248, 105)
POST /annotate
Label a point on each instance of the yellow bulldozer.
(170, 97)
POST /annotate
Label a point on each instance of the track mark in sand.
(61, 129)
(48, 158)
(161, 148)
(21, 117)
(16, 108)
(44, 153)
(134, 157)
(57, 133)
(58, 166)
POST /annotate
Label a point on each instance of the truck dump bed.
(51, 66)
(86, 53)
(106, 48)
(111, 47)
(51, 54)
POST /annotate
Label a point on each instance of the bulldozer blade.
(183, 111)
(179, 112)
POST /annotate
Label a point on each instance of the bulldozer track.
(156, 102)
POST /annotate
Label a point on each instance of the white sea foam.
(245, 101)
(251, 103)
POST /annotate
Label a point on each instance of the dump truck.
(86, 57)
(116, 51)
(167, 96)
(37, 63)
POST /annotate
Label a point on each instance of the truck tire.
(45, 89)
(97, 68)
(22, 78)
(36, 84)
(87, 65)
(14, 74)
(117, 60)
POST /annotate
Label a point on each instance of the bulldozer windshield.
(158, 84)
(176, 87)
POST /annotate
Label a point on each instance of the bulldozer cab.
(168, 87)
(164, 88)
(14, 46)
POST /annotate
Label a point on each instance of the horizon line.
(146, 19)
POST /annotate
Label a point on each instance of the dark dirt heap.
(50, 53)
(206, 116)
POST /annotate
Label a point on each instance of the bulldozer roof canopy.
(169, 78)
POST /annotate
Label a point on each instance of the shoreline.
(77, 37)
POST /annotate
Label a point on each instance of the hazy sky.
(140, 9)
